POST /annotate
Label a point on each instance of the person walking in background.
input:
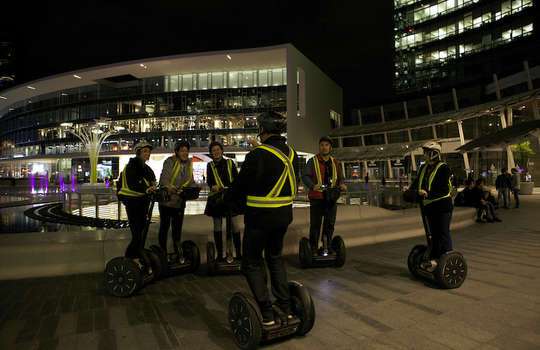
(516, 184)
(503, 184)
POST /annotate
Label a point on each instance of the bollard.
(97, 205)
(119, 211)
(80, 203)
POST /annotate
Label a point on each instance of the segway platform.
(245, 318)
(185, 260)
(324, 257)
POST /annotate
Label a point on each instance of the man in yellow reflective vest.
(220, 174)
(267, 185)
(176, 174)
(434, 190)
(322, 171)
(136, 181)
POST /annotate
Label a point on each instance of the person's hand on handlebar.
(151, 189)
(172, 190)
(216, 188)
(422, 193)
(317, 187)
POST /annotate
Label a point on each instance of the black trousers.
(270, 241)
(321, 212)
(136, 210)
(439, 225)
(515, 191)
(170, 217)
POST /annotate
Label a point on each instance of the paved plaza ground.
(371, 303)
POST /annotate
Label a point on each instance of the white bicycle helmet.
(432, 149)
(142, 144)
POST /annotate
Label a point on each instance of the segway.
(331, 253)
(246, 320)
(451, 269)
(230, 264)
(185, 257)
(124, 276)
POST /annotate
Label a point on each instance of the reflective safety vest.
(176, 172)
(430, 181)
(317, 167)
(273, 198)
(126, 191)
(219, 182)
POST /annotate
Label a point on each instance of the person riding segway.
(432, 189)
(323, 177)
(267, 185)
(220, 173)
(140, 266)
(177, 178)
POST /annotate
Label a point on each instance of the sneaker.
(429, 266)
(268, 323)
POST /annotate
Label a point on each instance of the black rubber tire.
(245, 322)
(210, 258)
(163, 258)
(302, 306)
(191, 253)
(305, 253)
(338, 246)
(414, 259)
(157, 266)
(451, 271)
(123, 277)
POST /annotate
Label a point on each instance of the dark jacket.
(477, 194)
(136, 171)
(503, 181)
(213, 206)
(259, 174)
(439, 188)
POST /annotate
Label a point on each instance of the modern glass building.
(439, 43)
(199, 97)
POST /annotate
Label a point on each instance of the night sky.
(350, 40)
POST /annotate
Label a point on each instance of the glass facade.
(200, 107)
(426, 49)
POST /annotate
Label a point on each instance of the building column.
(462, 142)
(434, 131)
(528, 74)
(405, 110)
(509, 155)
(413, 157)
(430, 107)
(365, 161)
(388, 161)
(382, 114)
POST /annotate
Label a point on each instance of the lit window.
(506, 35)
(477, 22)
(528, 28)
(516, 32)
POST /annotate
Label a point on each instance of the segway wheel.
(302, 306)
(162, 256)
(338, 246)
(210, 257)
(122, 277)
(304, 253)
(155, 261)
(245, 322)
(451, 271)
(414, 259)
(191, 252)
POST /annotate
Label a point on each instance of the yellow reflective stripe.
(430, 181)
(176, 172)
(229, 168)
(216, 175)
(317, 167)
(271, 200)
(125, 190)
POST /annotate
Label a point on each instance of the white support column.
(365, 161)
(359, 117)
(454, 97)
(503, 120)
(343, 169)
(510, 157)
(388, 161)
(413, 157)
(434, 131)
(462, 142)
(382, 114)
(510, 116)
(430, 107)
(340, 142)
(405, 110)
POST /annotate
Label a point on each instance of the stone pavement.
(371, 303)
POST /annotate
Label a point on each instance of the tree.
(522, 151)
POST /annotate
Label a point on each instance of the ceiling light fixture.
(229, 57)
(31, 87)
(3, 97)
(77, 76)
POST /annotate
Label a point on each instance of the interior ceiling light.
(229, 57)
(77, 76)
(31, 87)
(3, 97)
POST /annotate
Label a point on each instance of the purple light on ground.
(72, 182)
(32, 183)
